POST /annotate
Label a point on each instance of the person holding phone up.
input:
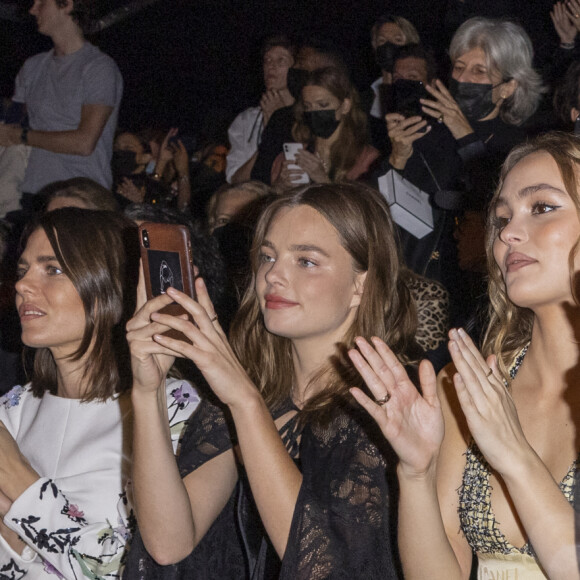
(333, 130)
(454, 148)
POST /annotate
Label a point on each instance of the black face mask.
(385, 55)
(295, 80)
(123, 163)
(474, 99)
(322, 123)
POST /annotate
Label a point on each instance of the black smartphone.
(405, 98)
(167, 261)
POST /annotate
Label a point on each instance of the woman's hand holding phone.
(209, 348)
(150, 361)
(403, 132)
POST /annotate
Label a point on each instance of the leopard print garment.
(432, 301)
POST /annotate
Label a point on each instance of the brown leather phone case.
(167, 261)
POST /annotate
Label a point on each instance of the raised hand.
(413, 424)
(487, 404)
(209, 348)
(573, 9)
(403, 132)
(563, 20)
(446, 110)
(150, 361)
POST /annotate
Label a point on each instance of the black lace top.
(344, 521)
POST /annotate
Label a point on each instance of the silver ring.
(441, 118)
(215, 317)
(384, 400)
(489, 373)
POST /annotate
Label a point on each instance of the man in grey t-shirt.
(72, 94)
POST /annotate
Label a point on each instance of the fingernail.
(462, 332)
(453, 333)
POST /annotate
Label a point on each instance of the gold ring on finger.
(441, 118)
(384, 400)
(213, 318)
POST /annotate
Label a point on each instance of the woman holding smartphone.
(280, 476)
(65, 437)
(488, 455)
(333, 130)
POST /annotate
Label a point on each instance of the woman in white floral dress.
(65, 437)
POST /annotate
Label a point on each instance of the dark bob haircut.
(99, 252)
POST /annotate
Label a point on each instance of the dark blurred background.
(196, 63)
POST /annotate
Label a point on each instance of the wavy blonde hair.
(510, 326)
(365, 229)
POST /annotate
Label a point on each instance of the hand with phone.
(403, 132)
(290, 173)
(206, 344)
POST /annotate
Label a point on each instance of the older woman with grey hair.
(492, 90)
(491, 78)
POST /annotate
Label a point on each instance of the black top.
(277, 132)
(344, 521)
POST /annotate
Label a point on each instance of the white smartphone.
(290, 150)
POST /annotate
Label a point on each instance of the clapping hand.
(413, 424)
(487, 404)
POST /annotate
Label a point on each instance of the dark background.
(196, 63)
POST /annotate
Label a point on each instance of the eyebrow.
(530, 190)
(39, 259)
(299, 248)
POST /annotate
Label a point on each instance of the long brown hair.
(363, 222)
(510, 326)
(354, 130)
(98, 251)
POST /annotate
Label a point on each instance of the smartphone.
(167, 261)
(406, 95)
(290, 150)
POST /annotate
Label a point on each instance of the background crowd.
(441, 117)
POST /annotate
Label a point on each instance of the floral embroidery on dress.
(12, 398)
(11, 571)
(72, 511)
(50, 569)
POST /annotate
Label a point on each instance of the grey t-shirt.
(54, 89)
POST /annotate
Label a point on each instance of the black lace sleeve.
(344, 521)
(209, 433)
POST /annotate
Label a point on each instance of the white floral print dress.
(76, 520)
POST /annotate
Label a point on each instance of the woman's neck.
(553, 356)
(308, 359)
(71, 379)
